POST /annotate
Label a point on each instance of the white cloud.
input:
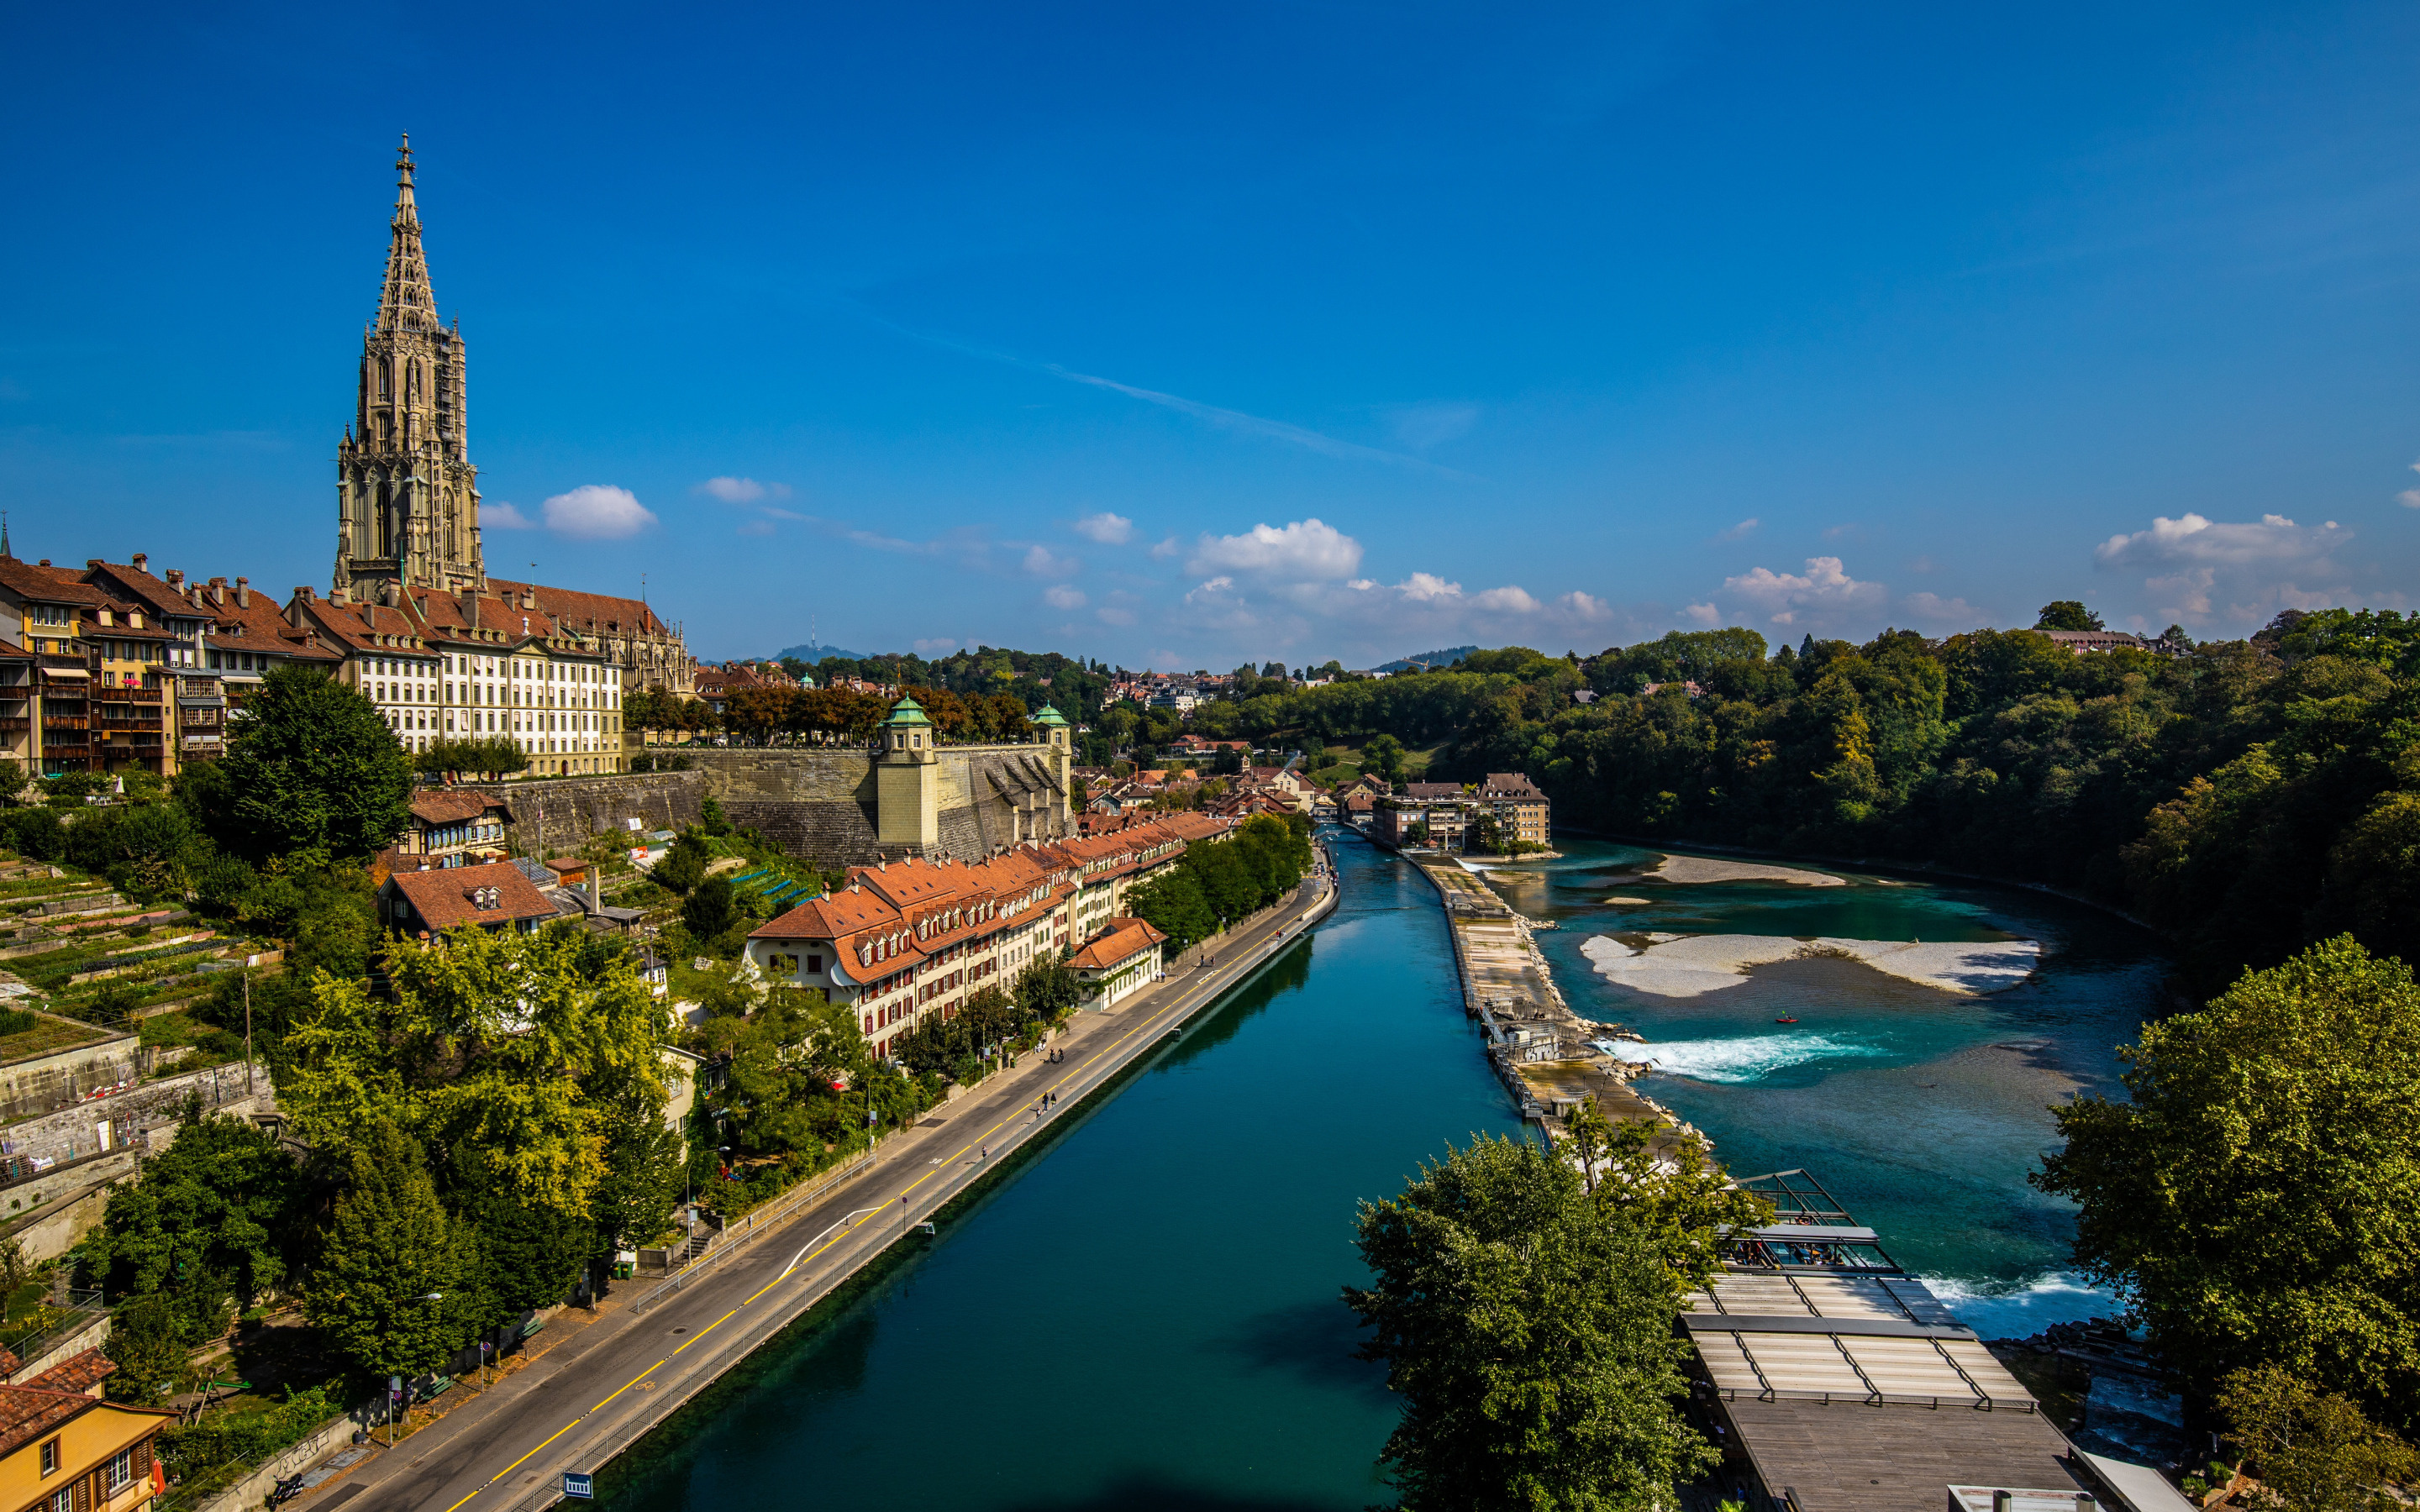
(2201, 570)
(1063, 596)
(1705, 614)
(504, 518)
(1421, 587)
(1931, 608)
(1043, 563)
(740, 490)
(598, 511)
(2410, 498)
(2203, 541)
(1587, 606)
(1106, 528)
(1742, 530)
(1507, 600)
(1825, 589)
(1166, 549)
(1305, 550)
(926, 648)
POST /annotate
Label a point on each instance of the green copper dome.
(1047, 716)
(905, 713)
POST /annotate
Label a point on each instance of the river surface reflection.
(1143, 1311)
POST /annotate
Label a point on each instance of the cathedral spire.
(407, 300)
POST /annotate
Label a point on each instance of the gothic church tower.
(407, 495)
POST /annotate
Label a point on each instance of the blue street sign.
(575, 1484)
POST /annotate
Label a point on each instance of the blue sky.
(1186, 336)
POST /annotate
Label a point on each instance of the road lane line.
(1192, 992)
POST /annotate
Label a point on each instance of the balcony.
(127, 695)
(52, 721)
(15, 727)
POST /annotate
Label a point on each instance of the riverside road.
(600, 1389)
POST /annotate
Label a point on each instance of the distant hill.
(811, 654)
(1427, 658)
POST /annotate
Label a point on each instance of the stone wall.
(812, 801)
(816, 802)
(75, 1130)
(555, 815)
(821, 803)
(38, 1084)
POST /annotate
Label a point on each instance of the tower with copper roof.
(407, 494)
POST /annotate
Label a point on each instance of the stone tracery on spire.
(406, 301)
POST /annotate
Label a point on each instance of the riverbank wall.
(1538, 1046)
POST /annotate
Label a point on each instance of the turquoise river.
(1142, 1311)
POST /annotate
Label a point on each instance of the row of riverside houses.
(1445, 814)
(109, 668)
(907, 940)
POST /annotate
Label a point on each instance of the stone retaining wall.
(38, 1084)
(819, 802)
(74, 1131)
(555, 815)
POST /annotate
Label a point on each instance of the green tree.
(2257, 1200)
(2066, 614)
(1047, 990)
(709, 909)
(1529, 1331)
(683, 867)
(2312, 1452)
(1383, 754)
(387, 1292)
(525, 1050)
(311, 772)
(224, 1200)
(148, 1345)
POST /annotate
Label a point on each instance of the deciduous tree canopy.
(2257, 1198)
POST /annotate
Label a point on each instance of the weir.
(1547, 1057)
(1832, 1379)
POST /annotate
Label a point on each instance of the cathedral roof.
(575, 611)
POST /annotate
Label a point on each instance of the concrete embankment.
(1540, 1048)
(612, 1381)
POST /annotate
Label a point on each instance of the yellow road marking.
(1173, 1004)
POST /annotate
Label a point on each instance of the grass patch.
(40, 1036)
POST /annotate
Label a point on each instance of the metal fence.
(740, 1230)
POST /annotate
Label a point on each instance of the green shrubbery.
(1214, 885)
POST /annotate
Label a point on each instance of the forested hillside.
(2248, 797)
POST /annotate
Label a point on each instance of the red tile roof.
(442, 898)
(576, 610)
(76, 1373)
(1121, 941)
(52, 585)
(448, 806)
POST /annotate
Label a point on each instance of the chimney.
(218, 592)
(243, 593)
(44, 562)
(143, 561)
(177, 579)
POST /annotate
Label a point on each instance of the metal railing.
(756, 1220)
